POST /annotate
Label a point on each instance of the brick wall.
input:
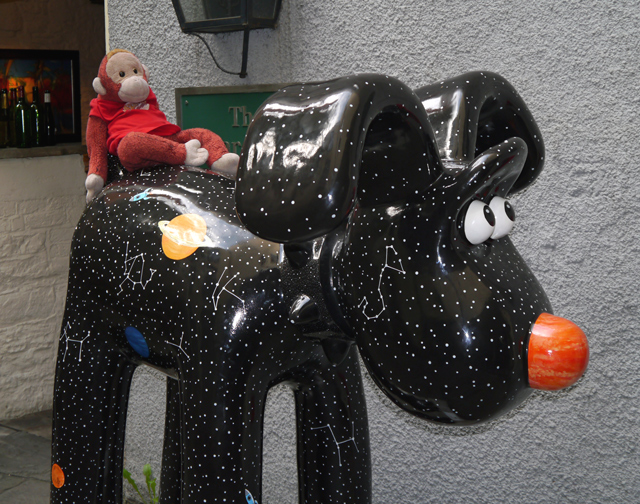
(41, 200)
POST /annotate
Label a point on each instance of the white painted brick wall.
(41, 200)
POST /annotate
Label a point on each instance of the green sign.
(227, 111)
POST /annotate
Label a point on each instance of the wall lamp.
(219, 16)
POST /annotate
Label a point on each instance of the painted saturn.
(183, 235)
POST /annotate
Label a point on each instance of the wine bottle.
(37, 120)
(4, 119)
(22, 121)
(49, 120)
(13, 98)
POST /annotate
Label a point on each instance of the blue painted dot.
(137, 341)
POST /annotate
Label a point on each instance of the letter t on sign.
(246, 116)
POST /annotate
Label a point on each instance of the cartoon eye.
(121, 73)
(479, 222)
(505, 217)
(135, 70)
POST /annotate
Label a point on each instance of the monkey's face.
(127, 73)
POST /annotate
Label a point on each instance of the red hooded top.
(122, 118)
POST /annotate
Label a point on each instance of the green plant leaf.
(148, 474)
(154, 498)
(127, 476)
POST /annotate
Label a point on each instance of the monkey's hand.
(94, 185)
(97, 150)
(196, 155)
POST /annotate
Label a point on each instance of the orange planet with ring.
(183, 235)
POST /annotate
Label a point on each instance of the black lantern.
(217, 16)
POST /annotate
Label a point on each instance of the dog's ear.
(476, 111)
(299, 170)
(494, 171)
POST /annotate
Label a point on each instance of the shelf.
(50, 150)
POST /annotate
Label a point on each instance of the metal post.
(245, 53)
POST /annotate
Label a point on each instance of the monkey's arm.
(97, 150)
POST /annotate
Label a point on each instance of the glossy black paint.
(217, 322)
(476, 111)
(347, 232)
(302, 155)
(445, 336)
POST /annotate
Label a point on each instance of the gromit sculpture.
(365, 217)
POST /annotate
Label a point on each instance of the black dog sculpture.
(364, 214)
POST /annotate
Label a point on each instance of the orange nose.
(558, 353)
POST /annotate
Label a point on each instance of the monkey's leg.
(141, 150)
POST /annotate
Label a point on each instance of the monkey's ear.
(98, 87)
(146, 70)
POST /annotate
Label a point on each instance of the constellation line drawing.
(338, 443)
(67, 339)
(364, 303)
(216, 297)
(179, 346)
(130, 274)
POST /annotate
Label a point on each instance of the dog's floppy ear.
(477, 111)
(300, 163)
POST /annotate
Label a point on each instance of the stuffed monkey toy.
(125, 121)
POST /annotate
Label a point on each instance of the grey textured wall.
(575, 63)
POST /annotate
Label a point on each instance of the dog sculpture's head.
(449, 320)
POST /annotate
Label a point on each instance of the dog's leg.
(333, 437)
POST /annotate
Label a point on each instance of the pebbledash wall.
(576, 65)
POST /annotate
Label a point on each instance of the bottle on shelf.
(37, 120)
(4, 119)
(49, 126)
(22, 121)
(13, 98)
